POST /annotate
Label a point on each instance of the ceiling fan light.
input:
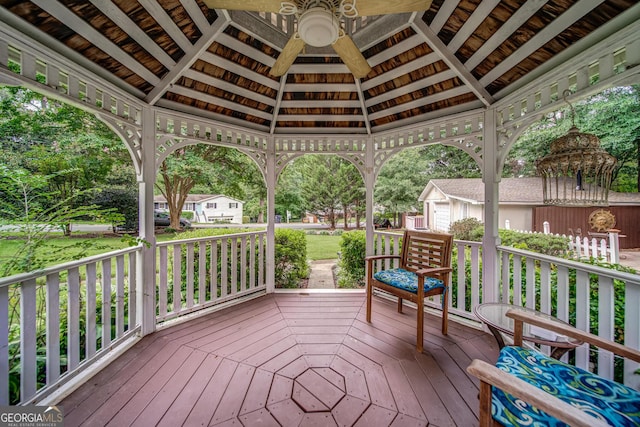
(318, 27)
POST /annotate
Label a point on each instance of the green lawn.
(322, 247)
(58, 250)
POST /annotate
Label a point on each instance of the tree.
(214, 166)
(69, 149)
(612, 115)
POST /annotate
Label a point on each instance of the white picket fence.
(603, 246)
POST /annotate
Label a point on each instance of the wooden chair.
(551, 389)
(424, 271)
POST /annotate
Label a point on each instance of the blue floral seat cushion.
(608, 400)
(407, 280)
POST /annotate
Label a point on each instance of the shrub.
(290, 258)
(467, 229)
(187, 215)
(352, 253)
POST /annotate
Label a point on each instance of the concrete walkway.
(321, 276)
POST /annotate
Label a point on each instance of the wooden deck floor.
(290, 359)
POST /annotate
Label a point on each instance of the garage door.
(442, 217)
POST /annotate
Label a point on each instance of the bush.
(467, 229)
(290, 258)
(353, 248)
(187, 215)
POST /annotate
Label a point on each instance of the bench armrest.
(489, 376)
(434, 270)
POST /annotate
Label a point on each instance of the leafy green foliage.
(352, 263)
(467, 229)
(291, 257)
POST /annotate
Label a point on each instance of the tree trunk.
(261, 204)
(346, 217)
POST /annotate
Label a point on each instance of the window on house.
(233, 205)
(211, 205)
(464, 211)
(189, 207)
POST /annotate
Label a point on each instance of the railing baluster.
(90, 314)
(243, 263)
(132, 291)
(606, 324)
(106, 303)
(189, 269)
(234, 265)
(73, 319)
(202, 272)
(475, 276)
(224, 268)
(163, 286)
(177, 277)
(252, 263)
(214, 270)
(119, 296)
(53, 327)
(28, 337)
(582, 316)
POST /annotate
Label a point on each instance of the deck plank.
(257, 362)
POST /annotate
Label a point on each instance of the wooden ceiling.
(456, 56)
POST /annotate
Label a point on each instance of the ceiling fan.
(319, 25)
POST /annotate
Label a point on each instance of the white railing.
(582, 294)
(195, 274)
(56, 322)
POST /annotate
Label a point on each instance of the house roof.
(196, 198)
(457, 56)
(523, 191)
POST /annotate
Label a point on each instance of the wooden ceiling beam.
(276, 110)
(363, 107)
(167, 24)
(421, 102)
(191, 55)
(517, 20)
(443, 15)
(412, 87)
(244, 49)
(396, 72)
(228, 87)
(453, 62)
(71, 20)
(560, 24)
(321, 87)
(134, 31)
(477, 17)
(238, 69)
(326, 103)
(214, 100)
(194, 11)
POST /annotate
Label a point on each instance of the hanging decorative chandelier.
(577, 172)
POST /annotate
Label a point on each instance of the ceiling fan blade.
(250, 5)
(385, 7)
(351, 56)
(289, 54)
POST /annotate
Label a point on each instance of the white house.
(208, 207)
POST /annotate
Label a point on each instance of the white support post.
(146, 280)
(369, 184)
(271, 215)
(491, 239)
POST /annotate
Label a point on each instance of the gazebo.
(164, 74)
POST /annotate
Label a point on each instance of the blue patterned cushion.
(403, 279)
(610, 401)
